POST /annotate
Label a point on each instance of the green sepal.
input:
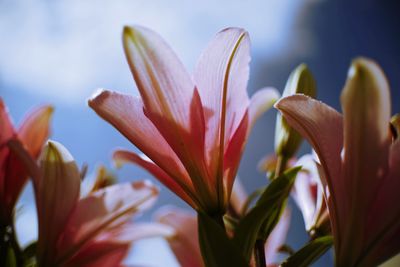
(309, 253)
(261, 220)
(395, 126)
(287, 140)
(11, 259)
(29, 254)
(216, 247)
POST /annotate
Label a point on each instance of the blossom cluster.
(192, 131)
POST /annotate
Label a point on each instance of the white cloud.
(65, 49)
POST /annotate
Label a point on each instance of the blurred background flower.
(60, 51)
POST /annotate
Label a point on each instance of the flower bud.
(395, 126)
(287, 140)
(104, 178)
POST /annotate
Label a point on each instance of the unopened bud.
(395, 126)
(287, 140)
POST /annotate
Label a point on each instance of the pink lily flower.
(360, 164)
(308, 194)
(184, 240)
(92, 231)
(193, 129)
(32, 133)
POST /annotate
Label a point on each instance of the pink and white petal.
(260, 102)
(136, 231)
(380, 217)
(99, 254)
(181, 186)
(6, 126)
(238, 197)
(102, 210)
(169, 96)
(184, 243)
(13, 176)
(188, 145)
(277, 238)
(125, 113)
(221, 76)
(164, 84)
(57, 192)
(305, 190)
(322, 126)
(35, 129)
(386, 246)
(6, 133)
(233, 154)
(366, 105)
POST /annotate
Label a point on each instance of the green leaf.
(261, 220)
(11, 260)
(309, 253)
(216, 248)
(29, 254)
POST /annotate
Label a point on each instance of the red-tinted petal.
(184, 243)
(102, 210)
(322, 126)
(221, 77)
(277, 238)
(170, 99)
(182, 188)
(35, 129)
(126, 114)
(366, 114)
(57, 192)
(261, 101)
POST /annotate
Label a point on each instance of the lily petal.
(305, 190)
(366, 105)
(221, 76)
(137, 128)
(238, 197)
(277, 238)
(382, 223)
(262, 101)
(102, 210)
(35, 129)
(136, 231)
(110, 248)
(164, 84)
(169, 96)
(322, 126)
(182, 188)
(6, 133)
(56, 194)
(184, 243)
(233, 154)
(6, 127)
(99, 254)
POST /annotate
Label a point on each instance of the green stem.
(259, 251)
(8, 242)
(280, 165)
(259, 247)
(15, 246)
(219, 219)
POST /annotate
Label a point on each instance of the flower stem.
(280, 165)
(10, 250)
(259, 247)
(259, 251)
(219, 219)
